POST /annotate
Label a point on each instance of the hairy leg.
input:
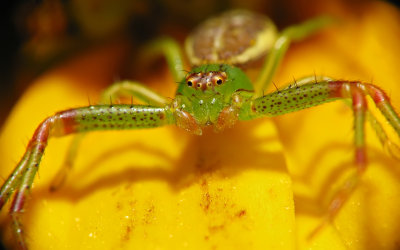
(309, 92)
(171, 50)
(115, 91)
(391, 147)
(274, 58)
(98, 117)
(163, 46)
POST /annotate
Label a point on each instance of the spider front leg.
(128, 89)
(98, 117)
(391, 147)
(173, 55)
(308, 94)
(114, 92)
(282, 43)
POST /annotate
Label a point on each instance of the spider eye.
(218, 80)
(190, 83)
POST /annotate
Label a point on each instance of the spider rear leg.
(282, 43)
(62, 174)
(114, 92)
(172, 52)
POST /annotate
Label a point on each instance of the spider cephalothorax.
(210, 95)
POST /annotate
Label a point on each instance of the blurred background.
(40, 34)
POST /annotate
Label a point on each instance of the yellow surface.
(165, 189)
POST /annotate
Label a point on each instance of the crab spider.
(215, 92)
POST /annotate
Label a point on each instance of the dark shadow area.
(223, 147)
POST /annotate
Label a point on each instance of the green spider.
(216, 92)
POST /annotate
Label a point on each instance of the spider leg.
(27, 170)
(359, 105)
(98, 117)
(21, 193)
(172, 52)
(135, 89)
(391, 147)
(13, 180)
(115, 91)
(309, 94)
(275, 56)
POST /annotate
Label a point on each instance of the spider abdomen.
(235, 37)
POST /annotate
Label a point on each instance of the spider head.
(205, 92)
